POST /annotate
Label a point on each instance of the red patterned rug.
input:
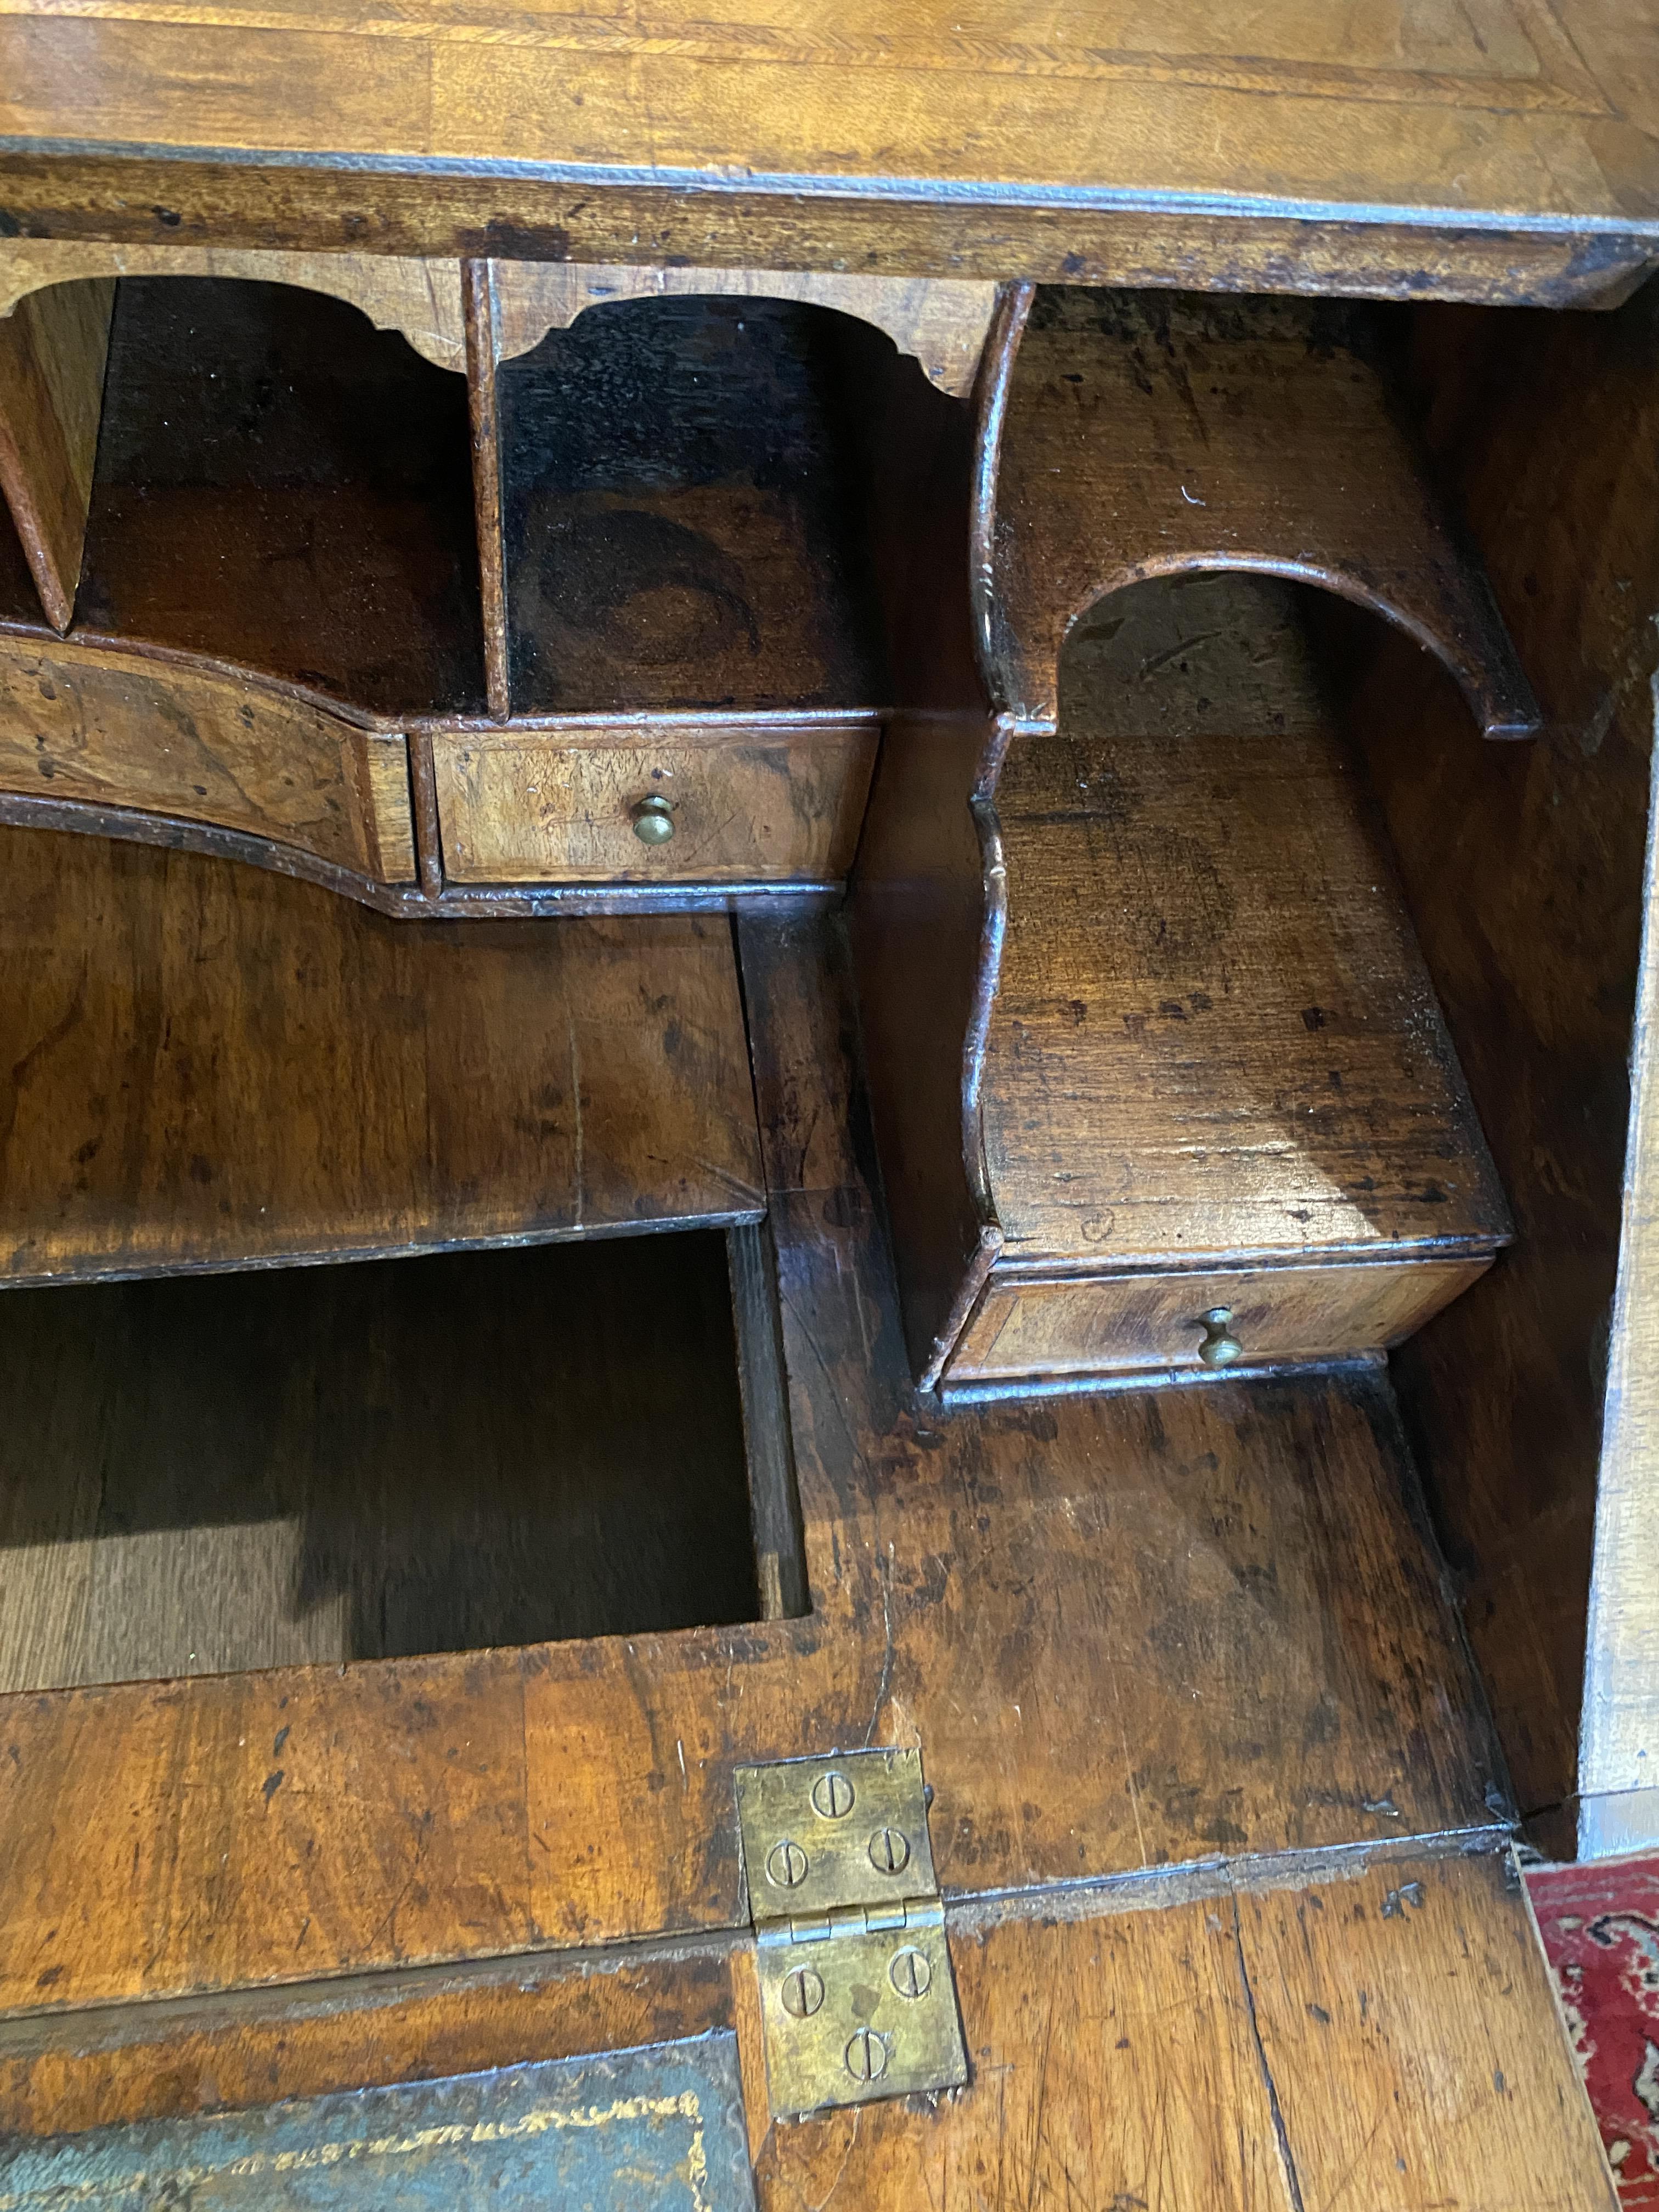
(1600, 1930)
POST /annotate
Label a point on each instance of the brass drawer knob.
(1220, 1347)
(654, 820)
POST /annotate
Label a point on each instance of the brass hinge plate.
(858, 2000)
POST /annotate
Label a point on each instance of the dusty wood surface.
(53, 354)
(282, 486)
(1523, 870)
(206, 1476)
(1213, 1032)
(942, 324)
(683, 513)
(421, 299)
(748, 804)
(1515, 113)
(1152, 436)
(210, 1066)
(115, 729)
(1127, 1633)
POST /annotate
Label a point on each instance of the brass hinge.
(840, 1864)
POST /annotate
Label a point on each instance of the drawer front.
(1124, 1324)
(112, 729)
(545, 808)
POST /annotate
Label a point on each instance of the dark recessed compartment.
(330, 1463)
(684, 512)
(19, 603)
(282, 486)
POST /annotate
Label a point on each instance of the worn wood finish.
(1388, 2041)
(483, 353)
(941, 323)
(282, 486)
(420, 299)
(52, 355)
(1213, 1032)
(1438, 119)
(683, 516)
(1023, 1327)
(112, 729)
(1523, 870)
(1150, 436)
(1068, 1605)
(262, 1472)
(214, 1067)
(750, 802)
(145, 198)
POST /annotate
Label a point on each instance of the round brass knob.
(654, 820)
(1220, 1347)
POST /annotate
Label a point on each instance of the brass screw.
(1220, 1347)
(654, 820)
(910, 1973)
(803, 1992)
(832, 1796)
(890, 1850)
(867, 2055)
(786, 1865)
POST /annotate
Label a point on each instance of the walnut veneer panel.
(541, 807)
(121, 730)
(218, 1066)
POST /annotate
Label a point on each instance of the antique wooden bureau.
(904, 762)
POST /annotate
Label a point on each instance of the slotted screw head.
(803, 1992)
(910, 1973)
(832, 1795)
(867, 2055)
(786, 1864)
(890, 1850)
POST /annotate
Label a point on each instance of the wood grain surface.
(1153, 1324)
(1522, 869)
(1149, 436)
(1213, 1033)
(420, 299)
(1390, 2042)
(283, 487)
(1128, 1633)
(749, 804)
(683, 513)
(208, 1476)
(115, 729)
(940, 322)
(209, 1066)
(52, 355)
(1515, 112)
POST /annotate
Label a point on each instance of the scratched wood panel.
(52, 356)
(1408, 2024)
(214, 1065)
(1493, 109)
(1128, 1633)
(1272, 2051)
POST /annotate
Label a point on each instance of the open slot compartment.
(280, 486)
(558, 1412)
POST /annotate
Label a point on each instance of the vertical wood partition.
(53, 347)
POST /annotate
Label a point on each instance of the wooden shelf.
(220, 1068)
(280, 486)
(682, 513)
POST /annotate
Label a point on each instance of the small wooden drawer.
(1154, 1324)
(779, 805)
